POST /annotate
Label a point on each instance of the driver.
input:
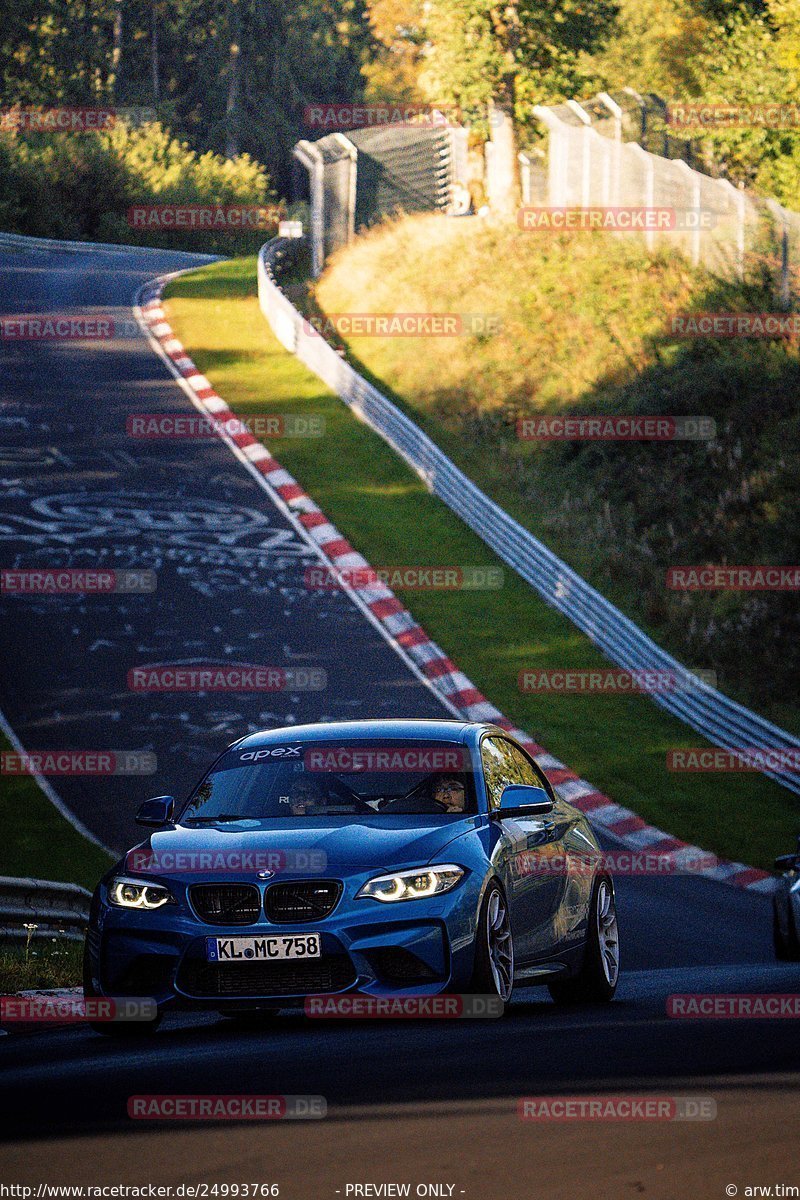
(448, 792)
(305, 797)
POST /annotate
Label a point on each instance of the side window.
(504, 763)
(530, 772)
(501, 766)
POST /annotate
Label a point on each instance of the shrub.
(82, 186)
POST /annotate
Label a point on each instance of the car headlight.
(416, 884)
(136, 893)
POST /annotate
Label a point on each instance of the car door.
(532, 850)
(570, 857)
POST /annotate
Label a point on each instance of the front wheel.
(596, 982)
(494, 947)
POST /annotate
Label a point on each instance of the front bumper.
(419, 947)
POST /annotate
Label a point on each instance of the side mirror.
(158, 811)
(787, 862)
(524, 800)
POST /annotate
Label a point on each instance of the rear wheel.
(114, 1029)
(596, 982)
(494, 947)
(786, 949)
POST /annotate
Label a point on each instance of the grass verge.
(38, 841)
(47, 963)
(591, 325)
(617, 742)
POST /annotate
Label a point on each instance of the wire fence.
(721, 720)
(728, 231)
(359, 177)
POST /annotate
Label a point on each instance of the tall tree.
(155, 73)
(234, 59)
(116, 51)
(392, 69)
(495, 59)
(785, 17)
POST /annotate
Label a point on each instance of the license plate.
(263, 949)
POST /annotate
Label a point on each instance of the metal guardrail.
(21, 241)
(52, 907)
(721, 720)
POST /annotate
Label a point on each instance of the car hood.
(376, 842)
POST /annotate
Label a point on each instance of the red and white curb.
(458, 692)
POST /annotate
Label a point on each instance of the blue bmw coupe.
(387, 858)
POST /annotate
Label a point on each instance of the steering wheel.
(359, 805)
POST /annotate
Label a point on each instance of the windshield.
(340, 780)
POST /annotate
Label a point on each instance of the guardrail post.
(737, 196)
(615, 157)
(311, 158)
(525, 176)
(648, 166)
(558, 155)
(352, 154)
(586, 152)
(779, 215)
(693, 182)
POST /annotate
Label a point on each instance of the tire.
(786, 950)
(597, 979)
(493, 974)
(114, 1029)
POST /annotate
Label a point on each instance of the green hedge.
(83, 185)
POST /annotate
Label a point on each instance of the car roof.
(435, 730)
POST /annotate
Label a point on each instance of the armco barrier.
(718, 718)
(51, 907)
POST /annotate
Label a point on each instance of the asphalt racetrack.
(420, 1101)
